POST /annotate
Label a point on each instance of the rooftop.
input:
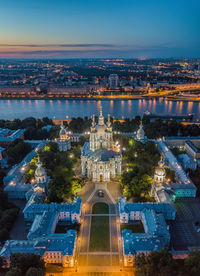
(64, 243)
(8, 135)
(174, 164)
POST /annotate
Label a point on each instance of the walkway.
(109, 261)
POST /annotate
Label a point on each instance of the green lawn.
(99, 234)
(100, 208)
(135, 228)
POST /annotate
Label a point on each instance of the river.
(119, 109)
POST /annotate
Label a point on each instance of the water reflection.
(190, 106)
(73, 108)
(170, 107)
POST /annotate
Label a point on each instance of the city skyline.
(99, 29)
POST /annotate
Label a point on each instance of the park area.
(100, 208)
(99, 232)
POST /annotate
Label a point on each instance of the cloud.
(95, 51)
(65, 45)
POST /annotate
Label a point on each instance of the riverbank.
(105, 98)
(101, 97)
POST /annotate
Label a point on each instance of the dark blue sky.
(100, 28)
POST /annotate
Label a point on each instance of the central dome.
(160, 171)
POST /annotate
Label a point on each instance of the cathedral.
(100, 160)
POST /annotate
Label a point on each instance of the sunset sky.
(99, 28)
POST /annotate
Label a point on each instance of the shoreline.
(105, 98)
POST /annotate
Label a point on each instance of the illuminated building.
(42, 239)
(156, 232)
(100, 159)
(140, 135)
(113, 81)
(64, 142)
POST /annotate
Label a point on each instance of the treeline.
(162, 264)
(26, 123)
(33, 127)
(22, 264)
(8, 214)
(79, 125)
(153, 129)
(157, 128)
(16, 151)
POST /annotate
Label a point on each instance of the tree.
(82, 140)
(29, 122)
(25, 261)
(14, 272)
(141, 266)
(155, 264)
(33, 271)
(1, 262)
(170, 174)
(2, 174)
(76, 186)
(161, 263)
(17, 151)
(192, 263)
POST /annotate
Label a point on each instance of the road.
(99, 261)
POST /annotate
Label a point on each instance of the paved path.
(99, 261)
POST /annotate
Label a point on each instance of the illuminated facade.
(164, 190)
(100, 160)
(160, 174)
(64, 142)
(156, 232)
(40, 174)
(140, 135)
(42, 239)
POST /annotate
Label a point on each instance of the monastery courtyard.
(99, 246)
(100, 238)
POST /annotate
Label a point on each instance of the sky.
(99, 29)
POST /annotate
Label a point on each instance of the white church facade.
(100, 160)
(64, 142)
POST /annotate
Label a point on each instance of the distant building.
(100, 160)
(113, 81)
